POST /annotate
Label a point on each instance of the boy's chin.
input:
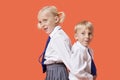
(86, 45)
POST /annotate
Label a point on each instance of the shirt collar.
(81, 46)
(54, 31)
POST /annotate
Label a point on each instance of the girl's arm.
(63, 51)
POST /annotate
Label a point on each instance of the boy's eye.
(83, 33)
(90, 33)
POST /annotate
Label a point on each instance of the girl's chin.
(47, 32)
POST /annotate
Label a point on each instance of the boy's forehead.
(83, 28)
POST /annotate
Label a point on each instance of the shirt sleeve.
(92, 53)
(62, 47)
(79, 64)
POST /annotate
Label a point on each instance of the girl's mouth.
(45, 29)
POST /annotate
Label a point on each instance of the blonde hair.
(55, 12)
(84, 23)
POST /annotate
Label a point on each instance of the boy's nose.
(87, 36)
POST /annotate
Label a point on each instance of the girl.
(56, 56)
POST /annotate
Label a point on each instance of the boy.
(82, 67)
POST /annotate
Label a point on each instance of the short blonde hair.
(55, 12)
(84, 23)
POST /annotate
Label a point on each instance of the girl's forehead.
(44, 14)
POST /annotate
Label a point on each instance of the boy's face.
(47, 21)
(84, 36)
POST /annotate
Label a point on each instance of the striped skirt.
(56, 72)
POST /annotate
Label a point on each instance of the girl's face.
(47, 21)
(84, 36)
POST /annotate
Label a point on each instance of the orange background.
(21, 42)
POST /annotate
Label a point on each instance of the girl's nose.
(42, 25)
(39, 26)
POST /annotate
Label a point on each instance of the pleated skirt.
(56, 72)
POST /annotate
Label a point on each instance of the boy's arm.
(79, 64)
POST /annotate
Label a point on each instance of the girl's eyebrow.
(39, 21)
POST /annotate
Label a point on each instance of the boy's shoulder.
(91, 50)
(76, 46)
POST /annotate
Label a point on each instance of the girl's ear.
(57, 19)
(76, 36)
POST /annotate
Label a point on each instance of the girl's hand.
(94, 77)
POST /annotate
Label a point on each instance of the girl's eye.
(44, 20)
(39, 22)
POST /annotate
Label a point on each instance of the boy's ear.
(75, 36)
(57, 19)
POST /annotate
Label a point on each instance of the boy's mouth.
(87, 41)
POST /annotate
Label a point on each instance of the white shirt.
(80, 63)
(59, 48)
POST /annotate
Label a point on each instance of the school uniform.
(80, 63)
(57, 55)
